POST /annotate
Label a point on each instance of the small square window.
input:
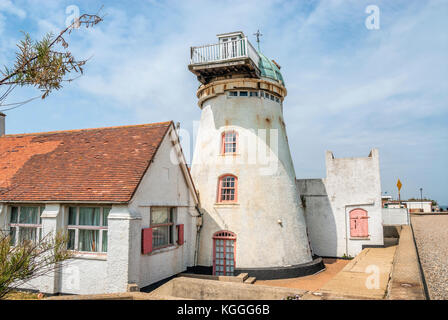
(243, 93)
(254, 93)
(233, 93)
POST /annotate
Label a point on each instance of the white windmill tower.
(254, 220)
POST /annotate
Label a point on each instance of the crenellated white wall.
(350, 183)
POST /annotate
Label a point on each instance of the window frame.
(224, 236)
(17, 226)
(220, 189)
(77, 227)
(224, 143)
(253, 94)
(171, 224)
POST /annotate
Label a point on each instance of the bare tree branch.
(41, 65)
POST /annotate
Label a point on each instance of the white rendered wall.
(84, 276)
(350, 183)
(395, 216)
(267, 192)
(165, 185)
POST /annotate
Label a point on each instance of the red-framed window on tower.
(229, 142)
(227, 188)
(224, 244)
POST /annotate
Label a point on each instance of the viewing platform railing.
(220, 52)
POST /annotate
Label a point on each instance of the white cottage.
(123, 194)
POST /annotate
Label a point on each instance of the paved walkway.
(313, 282)
(365, 277)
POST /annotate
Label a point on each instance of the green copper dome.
(268, 69)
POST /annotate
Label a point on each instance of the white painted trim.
(182, 162)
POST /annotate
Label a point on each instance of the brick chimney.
(2, 124)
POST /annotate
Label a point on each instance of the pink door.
(359, 223)
(224, 253)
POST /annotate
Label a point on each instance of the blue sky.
(349, 88)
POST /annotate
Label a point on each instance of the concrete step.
(242, 276)
(250, 280)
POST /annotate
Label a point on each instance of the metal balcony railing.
(240, 48)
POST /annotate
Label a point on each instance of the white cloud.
(349, 89)
(8, 7)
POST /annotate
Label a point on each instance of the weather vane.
(258, 34)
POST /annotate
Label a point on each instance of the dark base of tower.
(296, 271)
(271, 273)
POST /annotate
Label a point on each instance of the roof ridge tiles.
(155, 124)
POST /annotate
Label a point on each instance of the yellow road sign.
(399, 185)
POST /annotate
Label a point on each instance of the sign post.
(399, 185)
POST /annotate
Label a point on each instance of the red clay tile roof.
(104, 164)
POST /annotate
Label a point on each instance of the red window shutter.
(146, 240)
(180, 234)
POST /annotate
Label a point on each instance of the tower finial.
(258, 34)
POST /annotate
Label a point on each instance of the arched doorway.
(224, 243)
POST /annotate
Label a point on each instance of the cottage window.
(87, 229)
(229, 142)
(25, 224)
(243, 93)
(162, 224)
(233, 93)
(227, 188)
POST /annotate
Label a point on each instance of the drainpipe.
(198, 233)
(346, 231)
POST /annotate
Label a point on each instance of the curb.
(422, 274)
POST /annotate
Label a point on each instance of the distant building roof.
(417, 200)
(103, 164)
